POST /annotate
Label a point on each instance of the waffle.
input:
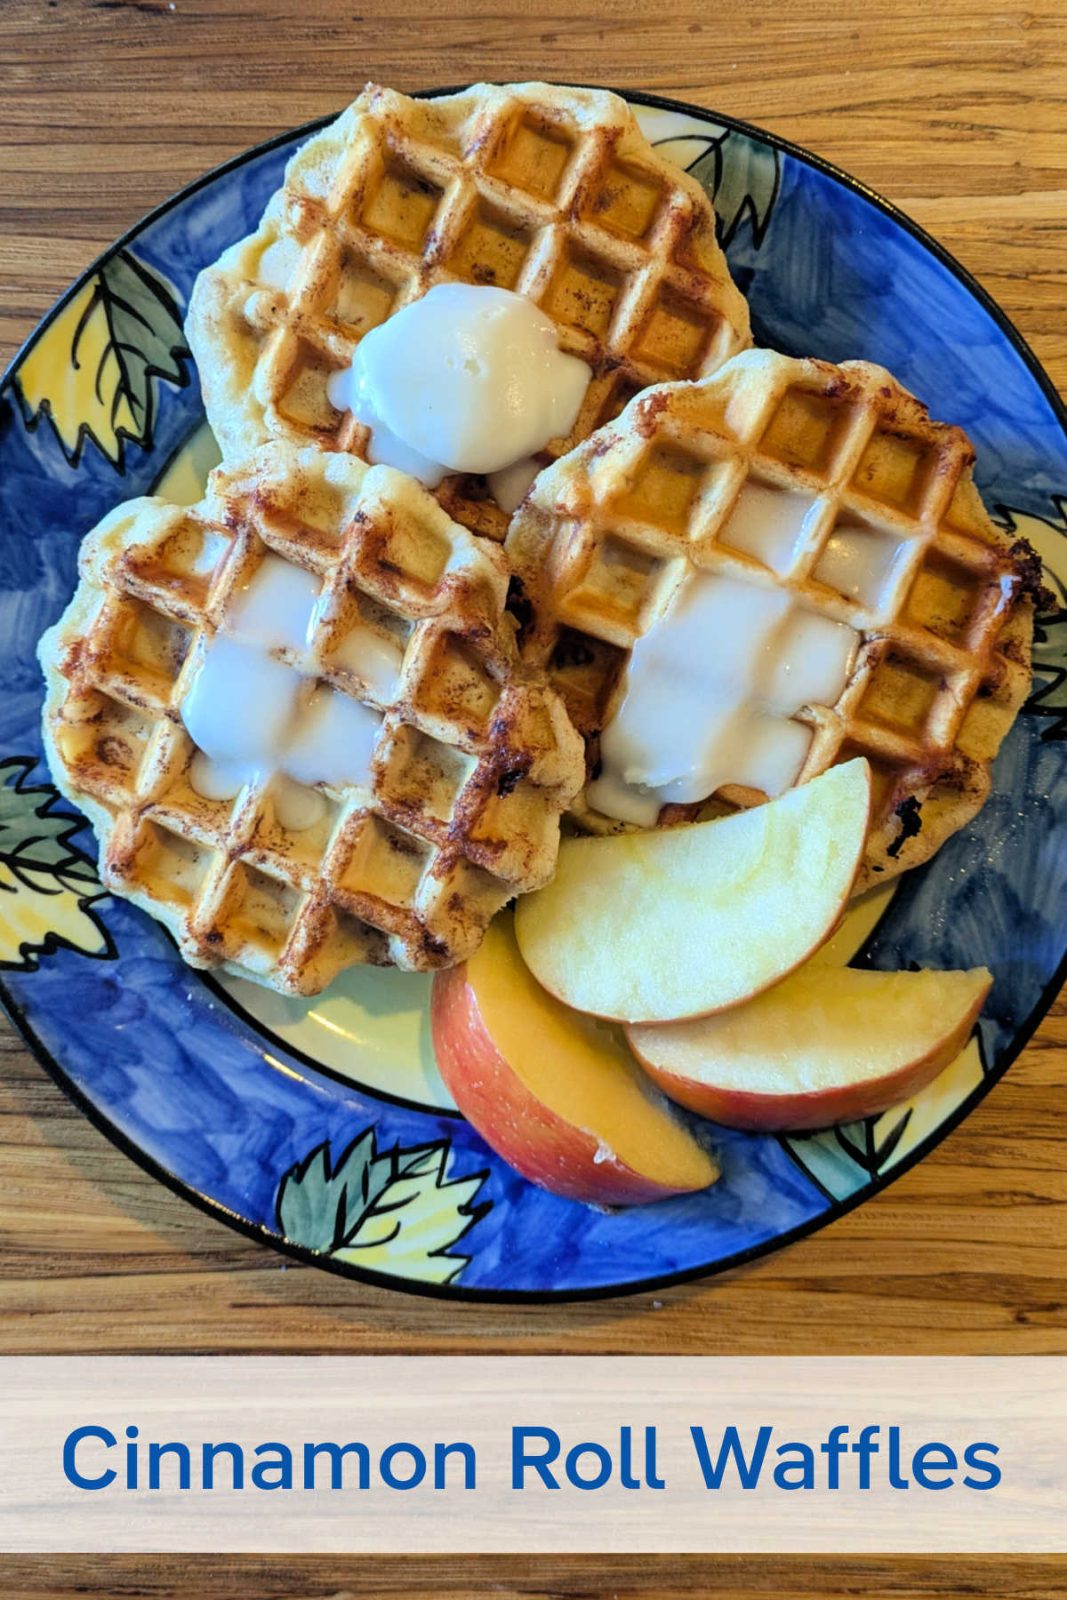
(943, 660)
(551, 192)
(472, 766)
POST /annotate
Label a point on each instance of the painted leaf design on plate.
(184, 479)
(741, 174)
(93, 373)
(48, 888)
(398, 1211)
(1048, 536)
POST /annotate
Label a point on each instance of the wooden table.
(955, 111)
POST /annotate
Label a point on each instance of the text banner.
(471, 1454)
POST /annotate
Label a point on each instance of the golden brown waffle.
(943, 664)
(473, 764)
(551, 192)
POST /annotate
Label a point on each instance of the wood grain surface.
(958, 112)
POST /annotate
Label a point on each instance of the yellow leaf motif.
(430, 1215)
(185, 478)
(92, 371)
(398, 1212)
(1048, 536)
(40, 913)
(906, 1125)
(47, 886)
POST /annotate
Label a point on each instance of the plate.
(322, 1126)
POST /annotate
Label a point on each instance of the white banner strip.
(518, 1454)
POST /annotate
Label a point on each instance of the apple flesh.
(827, 1045)
(558, 1095)
(679, 923)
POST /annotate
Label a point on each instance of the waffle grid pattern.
(472, 765)
(895, 542)
(549, 192)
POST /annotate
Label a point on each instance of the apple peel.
(556, 1094)
(826, 1045)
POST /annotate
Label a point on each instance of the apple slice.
(558, 1095)
(828, 1044)
(662, 926)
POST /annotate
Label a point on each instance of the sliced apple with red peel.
(662, 926)
(827, 1045)
(558, 1095)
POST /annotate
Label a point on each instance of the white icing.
(384, 448)
(467, 378)
(708, 696)
(764, 751)
(218, 780)
(766, 523)
(332, 741)
(255, 718)
(509, 486)
(374, 658)
(810, 662)
(276, 608)
(296, 807)
(857, 561)
(240, 703)
(627, 802)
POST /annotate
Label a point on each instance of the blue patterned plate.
(322, 1126)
